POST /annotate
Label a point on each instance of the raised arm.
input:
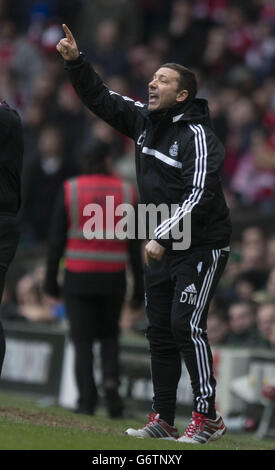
(120, 112)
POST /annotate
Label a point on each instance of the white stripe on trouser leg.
(212, 271)
(213, 268)
(200, 345)
(203, 348)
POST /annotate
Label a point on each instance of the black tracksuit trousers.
(9, 238)
(178, 293)
(2, 335)
(92, 318)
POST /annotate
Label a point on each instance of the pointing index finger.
(68, 33)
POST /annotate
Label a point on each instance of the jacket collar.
(195, 111)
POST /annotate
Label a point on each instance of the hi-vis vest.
(95, 255)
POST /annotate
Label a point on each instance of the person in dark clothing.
(11, 159)
(95, 275)
(186, 34)
(178, 162)
(43, 178)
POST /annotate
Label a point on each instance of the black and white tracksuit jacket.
(178, 157)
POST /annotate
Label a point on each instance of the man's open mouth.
(153, 98)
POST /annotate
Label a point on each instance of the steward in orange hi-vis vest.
(85, 233)
(107, 254)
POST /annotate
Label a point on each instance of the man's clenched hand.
(153, 250)
(67, 46)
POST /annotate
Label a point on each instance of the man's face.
(240, 318)
(265, 319)
(163, 89)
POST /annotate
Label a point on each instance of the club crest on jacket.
(174, 149)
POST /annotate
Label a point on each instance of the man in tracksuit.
(11, 158)
(178, 162)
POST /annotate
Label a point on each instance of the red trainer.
(156, 427)
(202, 429)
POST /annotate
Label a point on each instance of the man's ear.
(182, 96)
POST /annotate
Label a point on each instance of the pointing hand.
(67, 46)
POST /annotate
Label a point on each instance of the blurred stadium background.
(231, 47)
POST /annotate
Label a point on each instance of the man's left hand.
(153, 250)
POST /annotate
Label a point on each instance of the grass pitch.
(26, 426)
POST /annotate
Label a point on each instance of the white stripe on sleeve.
(198, 182)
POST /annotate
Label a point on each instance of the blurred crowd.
(230, 45)
(242, 314)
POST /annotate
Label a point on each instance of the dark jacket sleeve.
(202, 159)
(118, 111)
(9, 119)
(56, 245)
(5, 122)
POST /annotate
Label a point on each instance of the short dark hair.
(94, 160)
(187, 79)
